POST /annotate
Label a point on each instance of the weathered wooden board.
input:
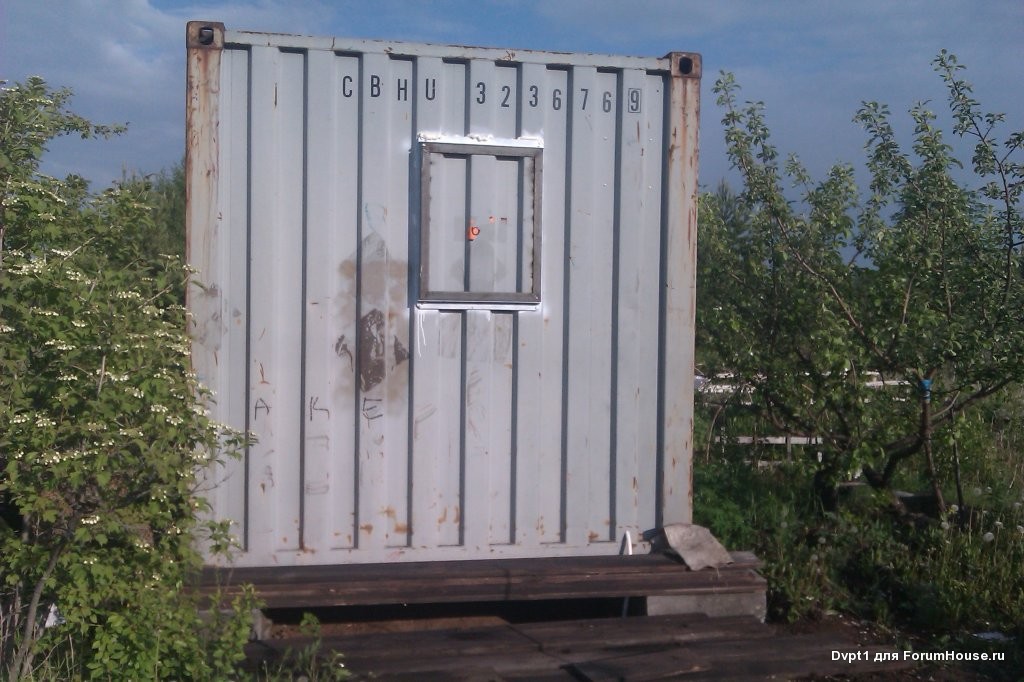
(640, 648)
(583, 640)
(485, 580)
(731, 658)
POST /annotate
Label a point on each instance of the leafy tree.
(164, 192)
(812, 302)
(164, 233)
(102, 426)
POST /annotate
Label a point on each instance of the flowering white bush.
(101, 425)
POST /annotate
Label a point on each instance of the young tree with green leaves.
(102, 427)
(809, 302)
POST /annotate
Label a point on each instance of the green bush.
(102, 429)
(938, 578)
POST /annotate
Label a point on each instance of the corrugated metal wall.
(394, 427)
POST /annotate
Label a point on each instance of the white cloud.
(125, 61)
(811, 61)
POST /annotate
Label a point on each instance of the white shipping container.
(449, 289)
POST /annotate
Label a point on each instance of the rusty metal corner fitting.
(685, 64)
(205, 35)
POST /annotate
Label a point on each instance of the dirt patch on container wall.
(377, 286)
(372, 361)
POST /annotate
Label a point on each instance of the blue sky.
(811, 62)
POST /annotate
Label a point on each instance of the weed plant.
(311, 662)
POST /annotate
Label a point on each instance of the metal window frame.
(466, 300)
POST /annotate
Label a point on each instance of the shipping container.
(449, 289)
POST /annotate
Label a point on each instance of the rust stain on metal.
(366, 528)
(443, 517)
(592, 536)
(202, 143)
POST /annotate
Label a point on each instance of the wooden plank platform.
(636, 648)
(487, 580)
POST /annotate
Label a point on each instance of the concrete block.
(729, 604)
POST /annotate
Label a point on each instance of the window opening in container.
(480, 225)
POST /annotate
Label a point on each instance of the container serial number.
(504, 96)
